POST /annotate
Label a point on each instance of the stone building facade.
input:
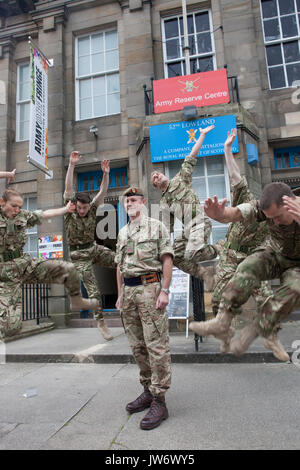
(104, 52)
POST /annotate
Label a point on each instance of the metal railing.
(233, 87)
(35, 302)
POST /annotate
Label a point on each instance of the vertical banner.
(38, 149)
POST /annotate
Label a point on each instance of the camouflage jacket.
(80, 230)
(179, 194)
(13, 231)
(140, 247)
(241, 236)
(284, 239)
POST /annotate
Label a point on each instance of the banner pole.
(48, 172)
(49, 61)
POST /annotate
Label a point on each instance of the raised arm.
(73, 160)
(99, 198)
(198, 144)
(10, 175)
(49, 213)
(218, 211)
(232, 166)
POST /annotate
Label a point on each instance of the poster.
(178, 306)
(51, 247)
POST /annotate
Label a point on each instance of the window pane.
(112, 60)
(202, 22)
(298, 5)
(218, 233)
(85, 108)
(99, 106)
(171, 28)
(174, 70)
(32, 205)
(85, 89)
(24, 130)
(274, 55)
(111, 40)
(190, 24)
(293, 73)
(271, 28)
(173, 49)
(216, 186)
(269, 8)
(215, 166)
(174, 167)
(206, 64)
(33, 243)
(98, 62)
(286, 6)
(204, 42)
(192, 44)
(200, 188)
(24, 73)
(83, 65)
(24, 111)
(99, 86)
(97, 43)
(291, 51)
(277, 78)
(113, 83)
(113, 103)
(296, 158)
(289, 26)
(199, 168)
(84, 46)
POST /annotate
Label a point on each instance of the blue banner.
(174, 141)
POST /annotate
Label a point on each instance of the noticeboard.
(179, 298)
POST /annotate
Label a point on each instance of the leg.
(104, 257)
(10, 308)
(197, 248)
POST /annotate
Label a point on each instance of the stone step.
(91, 323)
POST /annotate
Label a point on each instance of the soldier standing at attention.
(80, 230)
(17, 267)
(144, 253)
(279, 257)
(179, 200)
(241, 240)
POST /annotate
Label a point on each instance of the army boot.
(79, 303)
(102, 327)
(225, 340)
(140, 403)
(216, 327)
(272, 342)
(157, 413)
(248, 334)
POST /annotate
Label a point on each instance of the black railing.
(35, 302)
(198, 304)
(233, 87)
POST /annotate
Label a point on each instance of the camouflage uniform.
(278, 258)
(17, 268)
(241, 240)
(180, 200)
(146, 327)
(81, 232)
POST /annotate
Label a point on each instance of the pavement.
(86, 345)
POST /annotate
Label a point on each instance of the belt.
(236, 247)
(80, 247)
(10, 255)
(142, 280)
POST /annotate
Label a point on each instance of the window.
(201, 43)
(91, 181)
(97, 75)
(209, 179)
(31, 246)
(281, 27)
(287, 158)
(23, 102)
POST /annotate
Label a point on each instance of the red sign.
(199, 89)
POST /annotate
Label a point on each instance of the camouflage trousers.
(265, 265)
(225, 271)
(188, 252)
(147, 331)
(26, 270)
(84, 260)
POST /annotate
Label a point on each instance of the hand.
(213, 208)
(105, 166)
(206, 130)
(230, 138)
(74, 158)
(70, 207)
(162, 301)
(293, 207)
(119, 303)
(11, 176)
